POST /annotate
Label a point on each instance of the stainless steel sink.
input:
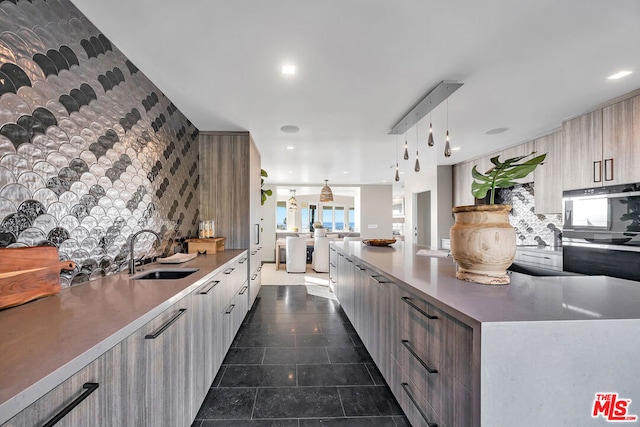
(164, 274)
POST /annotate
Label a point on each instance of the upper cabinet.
(547, 191)
(621, 142)
(582, 151)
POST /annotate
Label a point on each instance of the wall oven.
(601, 231)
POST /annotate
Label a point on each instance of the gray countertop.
(44, 342)
(527, 298)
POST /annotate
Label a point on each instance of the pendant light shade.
(417, 166)
(406, 149)
(430, 142)
(397, 173)
(447, 147)
(326, 195)
(293, 203)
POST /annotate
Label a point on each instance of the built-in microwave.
(601, 231)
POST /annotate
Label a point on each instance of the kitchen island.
(146, 339)
(535, 352)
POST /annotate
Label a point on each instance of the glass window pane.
(305, 216)
(327, 217)
(281, 215)
(338, 217)
(352, 216)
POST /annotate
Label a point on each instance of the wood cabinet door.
(91, 397)
(548, 176)
(621, 142)
(207, 337)
(462, 184)
(158, 379)
(582, 162)
(519, 150)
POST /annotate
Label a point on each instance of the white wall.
(375, 211)
(268, 223)
(438, 180)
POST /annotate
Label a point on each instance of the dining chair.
(320, 258)
(296, 253)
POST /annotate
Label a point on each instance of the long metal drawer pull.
(229, 270)
(243, 290)
(230, 309)
(206, 291)
(349, 260)
(610, 169)
(166, 325)
(89, 388)
(405, 387)
(242, 261)
(414, 354)
(424, 313)
(375, 278)
(254, 276)
(361, 268)
(597, 168)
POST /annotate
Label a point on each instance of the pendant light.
(430, 141)
(447, 146)
(397, 178)
(293, 203)
(326, 195)
(417, 166)
(406, 147)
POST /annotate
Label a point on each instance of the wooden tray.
(379, 242)
(29, 273)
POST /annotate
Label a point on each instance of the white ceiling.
(525, 65)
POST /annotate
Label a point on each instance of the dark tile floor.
(297, 362)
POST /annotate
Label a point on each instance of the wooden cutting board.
(29, 273)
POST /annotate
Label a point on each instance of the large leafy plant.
(265, 193)
(503, 174)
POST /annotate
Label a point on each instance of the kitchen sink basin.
(164, 274)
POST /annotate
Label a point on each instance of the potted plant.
(319, 230)
(265, 193)
(483, 243)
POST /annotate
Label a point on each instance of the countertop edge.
(12, 406)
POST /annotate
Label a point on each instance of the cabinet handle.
(332, 249)
(254, 276)
(229, 270)
(230, 309)
(242, 260)
(89, 388)
(377, 280)
(421, 311)
(361, 268)
(341, 255)
(405, 387)
(243, 290)
(609, 169)
(332, 265)
(349, 260)
(597, 168)
(414, 354)
(206, 291)
(259, 268)
(166, 325)
(257, 241)
(536, 256)
(254, 252)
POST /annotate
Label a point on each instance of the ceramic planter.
(483, 243)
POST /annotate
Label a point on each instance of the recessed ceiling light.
(290, 147)
(289, 69)
(456, 148)
(619, 75)
(496, 131)
(401, 173)
(384, 180)
(290, 171)
(290, 129)
(345, 172)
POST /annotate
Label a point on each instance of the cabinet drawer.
(442, 336)
(414, 404)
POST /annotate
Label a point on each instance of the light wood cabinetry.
(582, 151)
(548, 176)
(230, 194)
(621, 142)
(92, 397)
(424, 353)
(159, 375)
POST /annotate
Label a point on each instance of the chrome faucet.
(132, 261)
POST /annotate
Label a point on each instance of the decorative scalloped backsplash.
(91, 151)
(531, 228)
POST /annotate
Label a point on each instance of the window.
(327, 217)
(352, 219)
(281, 215)
(338, 218)
(305, 217)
